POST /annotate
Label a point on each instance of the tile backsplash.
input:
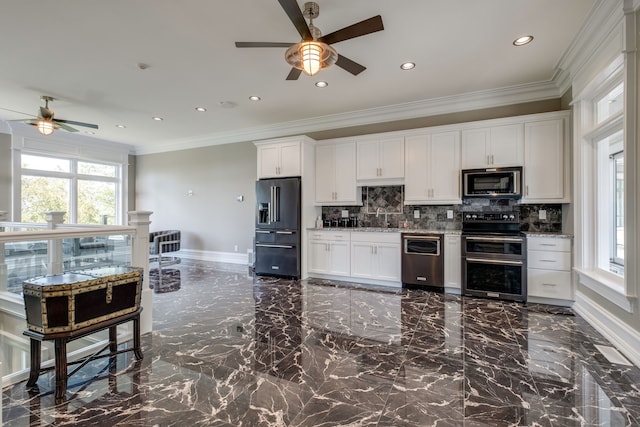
(386, 203)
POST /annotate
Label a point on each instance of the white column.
(54, 251)
(140, 258)
(3, 264)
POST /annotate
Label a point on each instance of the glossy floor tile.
(231, 350)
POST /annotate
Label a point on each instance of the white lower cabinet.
(549, 268)
(329, 253)
(375, 256)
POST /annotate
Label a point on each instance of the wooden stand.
(60, 344)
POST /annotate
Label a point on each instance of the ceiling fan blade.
(263, 44)
(294, 74)
(361, 28)
(295, 15)
(63, 126)
(19, 112)
(349, 65)
(30, 121)
(71, 122)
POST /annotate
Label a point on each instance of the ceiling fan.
(46, 123)
(314, 52)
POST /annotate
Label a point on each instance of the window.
(88, 191)
(610, 203)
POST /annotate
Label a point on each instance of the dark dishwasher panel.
(423, 260)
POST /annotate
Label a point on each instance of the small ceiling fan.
(46, 123)
(314, 52)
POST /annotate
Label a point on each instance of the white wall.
(212, 221)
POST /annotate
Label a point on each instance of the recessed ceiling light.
(255, 98)
(322, 84)
(201, 109)
(408, 66)
(157, 119)
(521, 41)
(121, 126)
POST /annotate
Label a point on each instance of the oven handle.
(494, 261)
(421, 237)
(495, 239)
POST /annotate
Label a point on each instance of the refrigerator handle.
(276, 204)
(271, 204)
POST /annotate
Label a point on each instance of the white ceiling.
(85, 54)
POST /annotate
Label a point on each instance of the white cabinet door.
(380, 159)
(507, 145)
(392, 158)
(290, 159)
(416, 187)
(387, 262)
(493, 146)
(452, 261)
(329, 253)
(336, 174)
(340, 258)
(474, 148)
(544, 174)
(345, 173)
(325, 173)
(362, 260)
(444, 167)
(432, 168)
(375, 256)
(268, 161)
(367, 160)
(319, 261)
(280, 159)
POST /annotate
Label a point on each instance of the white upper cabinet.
(545, 177)
(493, 146)
(381, 160)
(432, 168)
(279, 159)
(336, 174)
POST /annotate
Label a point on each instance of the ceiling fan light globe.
(311, 56)
(45, 127)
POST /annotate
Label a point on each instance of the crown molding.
(411, 110)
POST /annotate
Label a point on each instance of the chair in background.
(162, 243)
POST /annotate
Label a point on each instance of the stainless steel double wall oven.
(494, 256)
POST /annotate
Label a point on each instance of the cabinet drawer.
(334, 236)
(373, 237)
(549, 260)
(549, 244)
(549, 284)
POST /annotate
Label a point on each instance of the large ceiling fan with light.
(314, 53)
(46, 123)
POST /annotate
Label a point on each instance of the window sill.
(607, 285)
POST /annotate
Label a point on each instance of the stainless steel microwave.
(492, 183)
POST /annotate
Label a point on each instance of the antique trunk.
(74, 300)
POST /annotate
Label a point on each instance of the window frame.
(74, 177)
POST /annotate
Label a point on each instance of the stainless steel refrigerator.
(277, 247)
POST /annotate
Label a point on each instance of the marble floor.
(231, 350)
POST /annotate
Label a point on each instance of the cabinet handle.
(549, 284)
(547, 260)
(548, 244)
(526, 190)
(492, 159)
(488, 159)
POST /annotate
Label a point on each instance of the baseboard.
(213, 256)
(621, 335)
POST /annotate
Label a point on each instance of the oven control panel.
(490, 217)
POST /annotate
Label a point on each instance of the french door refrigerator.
(277, 247)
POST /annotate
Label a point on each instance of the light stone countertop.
(548, 234)
(386, 230)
